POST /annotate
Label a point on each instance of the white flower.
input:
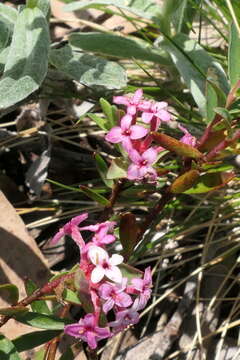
(104, 266)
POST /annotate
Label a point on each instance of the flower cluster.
(136, 139)
(108, 289)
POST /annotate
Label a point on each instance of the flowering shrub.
(106, 286)
(136, 139)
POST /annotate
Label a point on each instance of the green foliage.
(234, 56)
(7, 349)
(118, 46)
(146, 9)
(8, 15)
(34, 339)
(88, 69)
(193, 63)
(42, 321)
(11, 291)
(103, 169)
(24, 73)
(39, 306)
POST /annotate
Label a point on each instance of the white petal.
(114, 274)
(116, 259)
(97, 274)
(97, 255)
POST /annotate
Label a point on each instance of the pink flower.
(132, 102)
(124, 318)
(187, 138)
(114, 295)
(126, 132)
(141, 166)
(104, 266)
(101, 237)
(71, 228)
(87, 330)
(154, 109)
(142, 287)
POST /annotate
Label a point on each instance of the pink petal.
(57, 237)
(133, 172)
(93, 228)
(105, 291)
(138, 284)
(77, 237)
(89, 320)
(121, 100)
(97, 274)
(73, 330)
(91, 339)
(137, 96)
(116, 259)
(135, 156)
(138, 132)
(163, 115)
(114, 274)
(145, 105)
(78, 219)
(148, 275)
(147, 117)
(108, 305)
(131, 110)
(114, 135)
(102, 333)
(108, 239)
(126, 122)
(159, 106)
(150, 155)
(123, 300)
(148, 171)
(127, 144)
(97, 255)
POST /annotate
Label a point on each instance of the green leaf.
(211, 101)
(44, 6)
(184, 181)
(34, 339)
(27, 60)
(42, 321)
(119, 46)
(40, 354)
(11, 291)
(130, 272)
(4, 35)
(117, 169)
(8, 350)
(39, 306)
(103, 169)
(94, 195)
(128, 232)
(227, 118)
(171, 144)
(8, 15)
(107, 109)
(101, 122)
(88, 69)
(31, 3)
(193, 62)
(146, 9)
(68, 355)
(183, 15)
(14, 310)
(3, 58)
(210, 182)
(70, 296)
(234, 56)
